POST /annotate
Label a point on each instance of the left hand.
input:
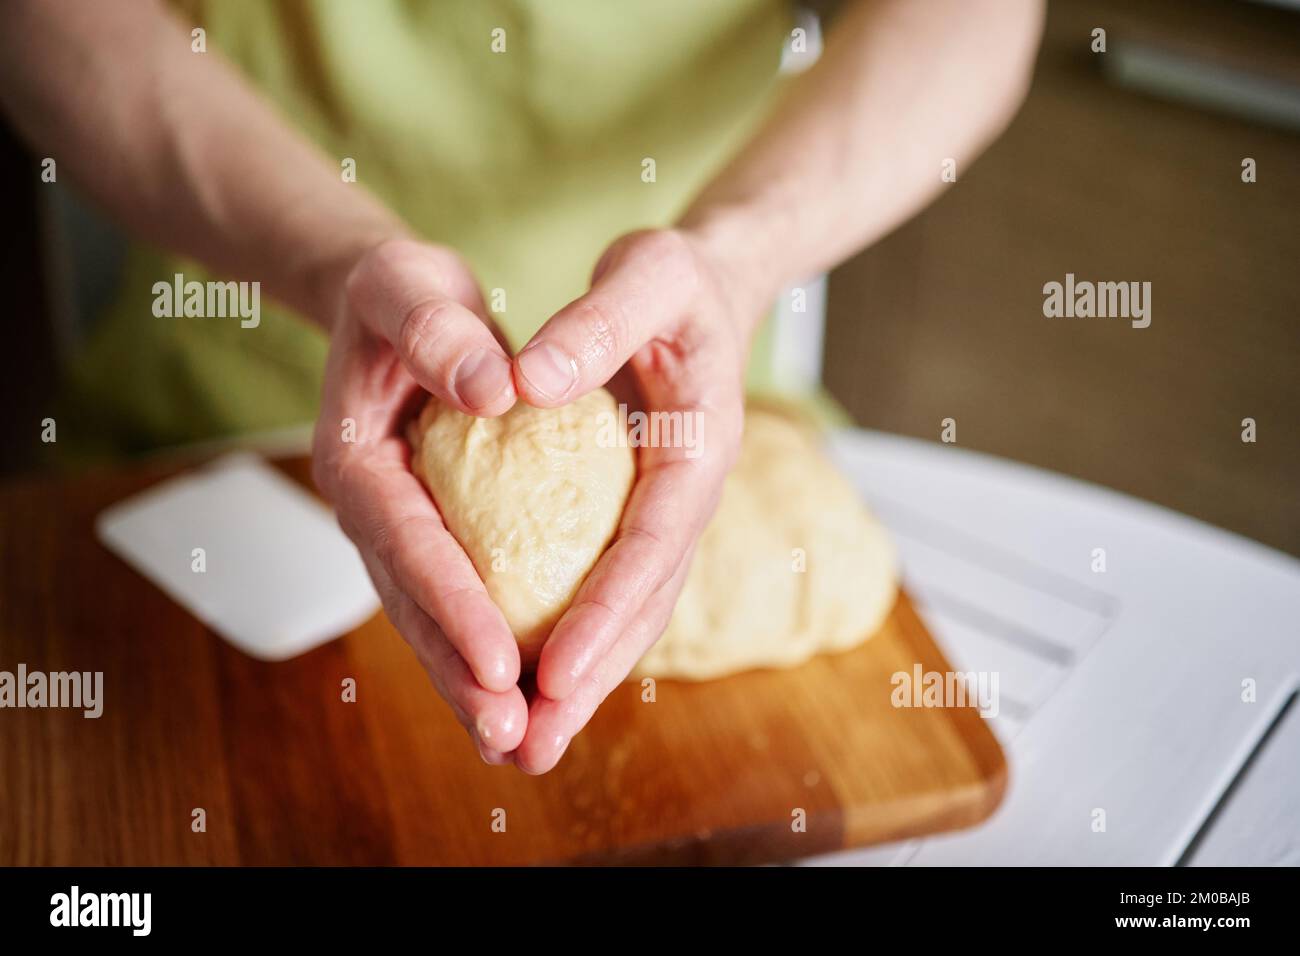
(669, 322)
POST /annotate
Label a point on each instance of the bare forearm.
(174, 145)
(858, 143)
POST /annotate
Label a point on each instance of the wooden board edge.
(958, 809)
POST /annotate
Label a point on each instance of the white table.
(1122, 690)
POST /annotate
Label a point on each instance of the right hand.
(410, 319)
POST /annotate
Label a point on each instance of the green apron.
(528, 162)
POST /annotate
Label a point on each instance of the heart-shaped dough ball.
(533, 496)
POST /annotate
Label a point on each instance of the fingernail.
(481, 376)
(489, 756)
(548, 370)
(527, 769)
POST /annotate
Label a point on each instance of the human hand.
(666, 324)
(411, 320)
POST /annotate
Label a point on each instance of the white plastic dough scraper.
(248, 552)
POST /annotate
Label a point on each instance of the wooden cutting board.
(288, 773)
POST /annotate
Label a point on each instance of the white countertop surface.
(1122, 690)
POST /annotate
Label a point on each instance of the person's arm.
(856, 147)
(176, 147)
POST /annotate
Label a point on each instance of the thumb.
(642, 284)
(421, 300)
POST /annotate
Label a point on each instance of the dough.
(792, 564)
(744, 604)
(531, 496)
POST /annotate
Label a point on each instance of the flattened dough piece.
(532, 497)
(745, 604)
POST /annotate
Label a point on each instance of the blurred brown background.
(944, 317)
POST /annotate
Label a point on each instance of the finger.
(675, 494)
(416, 298)
(552, 724)
(390, 513)
(643, 284)
(497, 721)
